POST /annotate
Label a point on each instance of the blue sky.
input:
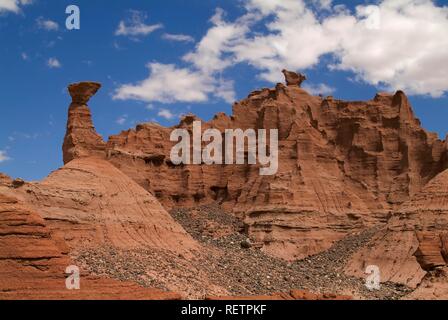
(220, 51)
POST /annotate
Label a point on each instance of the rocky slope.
(33, 263)
(414, 241)
(89, 202)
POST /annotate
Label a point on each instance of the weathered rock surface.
(33, 264)
(81, 139)
(413, 242)
(433, 287)
(293, 78)
(343, 166)
(89, 202)
(4, 179)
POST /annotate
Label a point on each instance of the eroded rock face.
(343, 166)
(413, 242)
(4, 179)
(433, 287)
(293, 78)
(33, 263)
(90, 203)
(81, 139)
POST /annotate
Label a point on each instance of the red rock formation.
(343, 166)
(293, 78)
(33, 264)
(433, 287)
(370, 157)
(414, 240)
(89, 202)
(4, 179)
(81, 139)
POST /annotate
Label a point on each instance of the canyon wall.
(343, 166)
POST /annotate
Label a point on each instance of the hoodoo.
(293, 78)
(81, 139)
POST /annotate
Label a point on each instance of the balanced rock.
(293, 78)
(81, 139)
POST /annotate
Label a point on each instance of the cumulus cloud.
(319, 88)
(323, 4)
(3, 156)
(166, 114)
(197, 82)
(408, 50)
(47, 24)
(166, 84)
(177, 37)
(135, 25)
(122, 119)
(13, 5)
(392, 44)
(54, 63)
(209, 55)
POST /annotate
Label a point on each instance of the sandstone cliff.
(33, 263)
(343, 166)
(414, 241)
(89, 202)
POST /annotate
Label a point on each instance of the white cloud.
(323, 4)
(54, 63)
(225, 90)
(408, 50)
(209, 54)
(24, 56)
(177, 37)
(3, 156)
(166, 84)
(135, 25)
(47, 24)
(166, 114)
(395, 44)
(122, 119)
(196, 83)
(319, 88)
(13, 5)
